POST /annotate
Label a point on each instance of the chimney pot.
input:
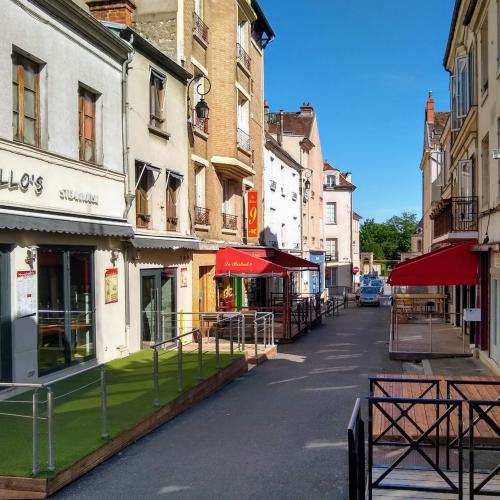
(306, 109)
(115, 11)
(429, 108)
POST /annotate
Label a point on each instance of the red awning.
(230, 261)
(452, 265)
(293, 263)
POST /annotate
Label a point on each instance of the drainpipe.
(128, 179)
(352, 253)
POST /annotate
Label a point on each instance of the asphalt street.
(279, 432)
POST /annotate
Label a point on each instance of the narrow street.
(278, 432)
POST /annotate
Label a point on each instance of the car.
(370, 296)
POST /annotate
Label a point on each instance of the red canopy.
(292, 262)
(452, 265)
(230, 261)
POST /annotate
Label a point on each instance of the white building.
(356, 256)
(339, 227)
(62, 294)
(281, 193)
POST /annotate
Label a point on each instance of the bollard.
(35, 465)
(180, 381)
(256, 335)
(156, 381)
(272, 328)
(231, 349)
(50, 429)
(104, 404)
(200, 357)
(217, 355)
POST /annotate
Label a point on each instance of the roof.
(294, 123)
(434, 131)
(440, 118)
(343, 182)
(356, 216)
(263, 19)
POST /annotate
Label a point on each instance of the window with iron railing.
(242, 57)
(243, 139)
(229, 221)
(202, 216)
(200, 29)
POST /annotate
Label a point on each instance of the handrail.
(356, 450)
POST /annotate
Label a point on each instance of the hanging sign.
(472, 314)
(26, 293)
(184, 277)
(111, 286)
(253, 211)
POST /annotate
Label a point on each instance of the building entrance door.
(158, 305)
(5, 323)
(495, 321)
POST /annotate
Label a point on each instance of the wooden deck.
(425, 414)
(425, 478)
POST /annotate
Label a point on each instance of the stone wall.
(161, 29)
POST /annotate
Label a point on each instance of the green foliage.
(387, 240)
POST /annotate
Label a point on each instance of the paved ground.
(278, 432)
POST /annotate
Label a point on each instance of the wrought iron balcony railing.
(243, 139)
(200, 29)
(229, 221)
(458, 214)
(242, 57)
(200, 124)
(202, 216)
(331, 257)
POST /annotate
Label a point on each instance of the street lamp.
(307, 184)
(201, 108)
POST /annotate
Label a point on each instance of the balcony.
(455, 219)
(229, 222)
(200, 29)
(331, 257)
(172, 223)
(201, 216)
(200, 124)
(243, 58)
(243, 140)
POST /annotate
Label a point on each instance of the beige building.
(298, 133)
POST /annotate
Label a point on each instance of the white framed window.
(485, 171)
(331, 181)
(199, 187)
(227, 196)
(243, 113)
(484, 57)
(331, 248)
(331, 212)
(198, 8)
(242, 31)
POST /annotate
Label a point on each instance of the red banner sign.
(253, 211)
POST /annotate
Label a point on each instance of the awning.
(55, 223)
(452, 265)
(283, 259)
(164, 242)
(234, 262)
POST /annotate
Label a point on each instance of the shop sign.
(184, 277)
(253, 211)
(79, 197)
(9, 180)
(472, 314)
(26, 293)
(111, 286)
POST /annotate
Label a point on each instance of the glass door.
(5, 322)
(158, 305)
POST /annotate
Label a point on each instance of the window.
(199, 186)
(485, 171)
(484, 57)
(65, 307)
(330, 181)
(331, 248)
(144, 183)
(86, 115)
(498, 161)
(26, 100)
(462, 88)
(243, 122)
(331, 213)
(227, 196)
(156, 99)
(331, 276)
(173, 184)
(242, 32)
(198, 5)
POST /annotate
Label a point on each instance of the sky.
(366, 67)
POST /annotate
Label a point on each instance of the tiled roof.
(440, 119)
(293, 124)
(343, 182)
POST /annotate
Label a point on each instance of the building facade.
(339, 226)
(62, 256)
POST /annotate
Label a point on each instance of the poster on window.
(253, 223)
(111, 286)
(184, 277)
(26, 293)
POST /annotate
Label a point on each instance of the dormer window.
(331, 181)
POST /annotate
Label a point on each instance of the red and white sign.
(111, 286)
(355, 270)
(253, 211)
(26, 293)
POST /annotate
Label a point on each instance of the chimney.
(306, 109)
(429, 108)
(348, 176)
(115, 11)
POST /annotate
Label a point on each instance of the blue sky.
(366, 67)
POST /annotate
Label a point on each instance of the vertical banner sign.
(253, 222)
(26, 293)
(111, 286)
(184, 277)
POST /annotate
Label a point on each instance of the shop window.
(156, 99)
(66, 322)
(26, 100)
(87, 119)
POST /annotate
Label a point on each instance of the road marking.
(332, 388)
(288, 380)
(291, 357)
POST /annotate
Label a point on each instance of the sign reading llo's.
(253, 211)
(8, 180)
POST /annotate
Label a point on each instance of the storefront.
(5, 319)
(316, 280)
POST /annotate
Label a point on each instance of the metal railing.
(242, 57)
(200, 29)
(202, 216)
(243, 139)
(356, 450)
(37, 415)
(264, 327)
(459, 214)
(229, 221)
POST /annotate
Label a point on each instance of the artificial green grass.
(77, 416)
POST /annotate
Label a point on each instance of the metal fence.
(356, 450)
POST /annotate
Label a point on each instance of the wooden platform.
(426, 478)
(425, 415)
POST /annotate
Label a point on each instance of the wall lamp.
(201, 108)
(31, 254)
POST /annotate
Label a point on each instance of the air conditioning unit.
(273, 185)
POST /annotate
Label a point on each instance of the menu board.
(111, 286)
(26, 293)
